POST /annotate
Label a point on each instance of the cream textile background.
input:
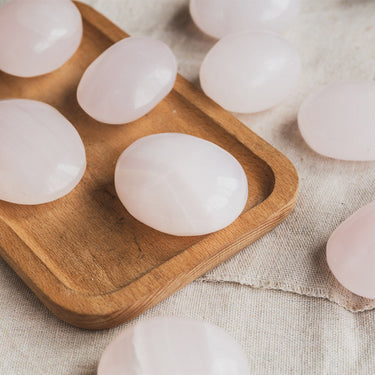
(282, 333)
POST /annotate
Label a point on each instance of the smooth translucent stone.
(38, 36)
(180, 184)
(127, 80)
(218, 18)
(338, 120)
(42, 157)
(173, 346)
(250, 71)
(351, 252)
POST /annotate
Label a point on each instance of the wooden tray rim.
(82, 309)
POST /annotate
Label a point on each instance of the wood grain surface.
(84, 256)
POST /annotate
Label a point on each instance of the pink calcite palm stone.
(127, 80)
(173, 346)
(250, 71)
(42, 157)
(180, 184)
(38, 36)
(339, 120)
(218, 18)
(351, 252)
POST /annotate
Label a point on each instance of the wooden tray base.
(84, 256)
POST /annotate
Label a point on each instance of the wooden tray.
(84, 256)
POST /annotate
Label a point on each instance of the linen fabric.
(277, 297)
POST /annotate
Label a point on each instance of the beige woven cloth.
(250, 295)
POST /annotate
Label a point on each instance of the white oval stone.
(42, 157)
(38, 36)
(351, 252)
(180, 184)
(250, 71)
(127, 80)
(173, 346)
(338, 120)
(218, 18)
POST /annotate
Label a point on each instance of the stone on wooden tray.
(351, 252)
(127, 80)
(173, 346)
(250, 71)
(180, 184)
(338, 120)
(42, 157)
(38, 36)
(218, 18)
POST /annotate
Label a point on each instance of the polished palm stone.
(42, 157)
(180, 184)
(173, 346)
(351, 252)
(338, 120)
(38, 36)
(127, 80)
(218, 18)
(250, 71)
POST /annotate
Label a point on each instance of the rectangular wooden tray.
(84, 256)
